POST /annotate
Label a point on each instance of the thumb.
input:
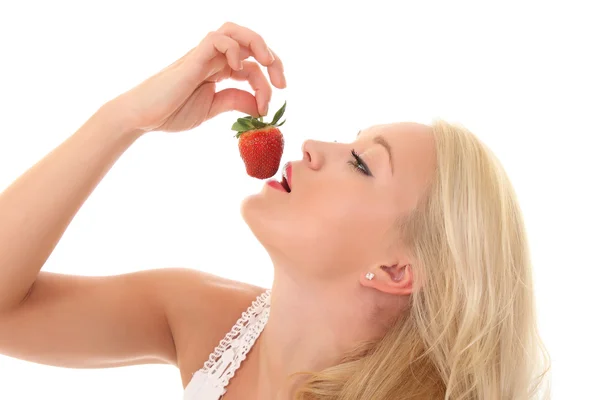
(233, 100)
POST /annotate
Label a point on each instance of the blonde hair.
(471, 330)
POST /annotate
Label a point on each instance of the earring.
(370, 275)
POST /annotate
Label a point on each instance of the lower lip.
(276, 185)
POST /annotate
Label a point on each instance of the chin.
(248, 208)
(269, 221)
(255, 211)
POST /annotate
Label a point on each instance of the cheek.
(328, 207)
(353, 223)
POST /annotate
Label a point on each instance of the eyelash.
(359, 164)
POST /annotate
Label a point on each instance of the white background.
(523, 76)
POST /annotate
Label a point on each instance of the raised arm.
(105, 321)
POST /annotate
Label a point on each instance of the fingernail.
(240, 66)
(271, 56)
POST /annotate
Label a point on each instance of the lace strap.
(233, 348)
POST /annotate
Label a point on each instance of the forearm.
(37, 208)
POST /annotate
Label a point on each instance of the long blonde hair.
(471, 330)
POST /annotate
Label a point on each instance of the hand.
(182, 96)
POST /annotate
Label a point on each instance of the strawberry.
(260, 144)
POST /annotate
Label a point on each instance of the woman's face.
(340, 215)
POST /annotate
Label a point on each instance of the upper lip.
(287, 174)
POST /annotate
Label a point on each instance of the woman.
(401, 262)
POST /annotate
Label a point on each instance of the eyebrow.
(380, 140)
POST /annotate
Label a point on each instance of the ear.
(393, 279)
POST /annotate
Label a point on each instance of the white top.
(209, 382)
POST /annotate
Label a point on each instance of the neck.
(310, 328)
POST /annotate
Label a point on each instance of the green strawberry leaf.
(279, 114)
(258, 124)
(237, 127)
(249, 123)
(281, 123)
(242, 125)
(246, 122)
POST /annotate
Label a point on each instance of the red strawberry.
(261, 144)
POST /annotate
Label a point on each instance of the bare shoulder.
(170, 315)
(201, 308)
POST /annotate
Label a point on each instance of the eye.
(359, 164)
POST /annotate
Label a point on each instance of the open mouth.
(285, 184)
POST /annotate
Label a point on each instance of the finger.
(232, 99)
(259, 83)
(216, 44)
(244, 52)
(276, 72)
(252, 40)
(230, 48)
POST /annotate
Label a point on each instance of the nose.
(313, 154)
